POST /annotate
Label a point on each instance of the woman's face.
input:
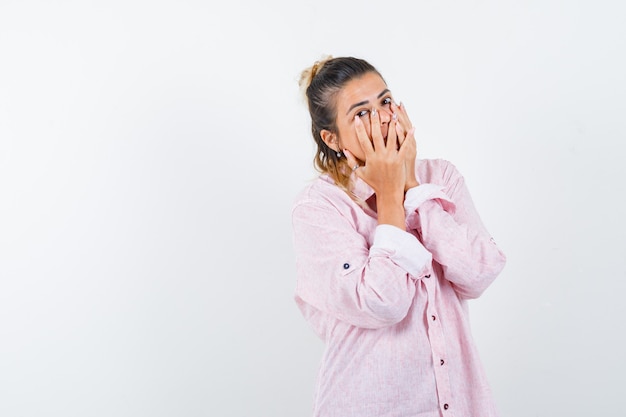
(358, 98)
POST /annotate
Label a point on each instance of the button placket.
(437, 344)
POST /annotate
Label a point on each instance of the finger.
(411, 134)
(402, 116)
(377, 136)
(361, 135)
(405, 147)
(352, 162)
(349, 157)
(399, 133)
(392, 135)
(396, 115)
(409, 141)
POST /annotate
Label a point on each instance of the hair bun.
(306, 76)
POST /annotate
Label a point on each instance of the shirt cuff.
(417, 195)
(402, 248)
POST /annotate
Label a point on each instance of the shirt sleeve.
(339, 274)
(451, 229)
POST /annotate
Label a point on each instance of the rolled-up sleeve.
(451, 229)
(402, 248)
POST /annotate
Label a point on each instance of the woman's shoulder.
(321, 189)
(436, 171)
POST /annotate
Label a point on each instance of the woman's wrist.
(410, 184)
(390, 208)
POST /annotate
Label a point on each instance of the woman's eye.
(387, 101)
(362, 113)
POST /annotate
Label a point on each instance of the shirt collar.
(361, 189)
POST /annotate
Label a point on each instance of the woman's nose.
(385, 115)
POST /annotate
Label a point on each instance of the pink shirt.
(391, 305)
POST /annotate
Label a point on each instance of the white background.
(150, 151)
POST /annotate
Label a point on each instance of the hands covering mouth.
(389, 158)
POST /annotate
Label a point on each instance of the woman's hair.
(321, 83)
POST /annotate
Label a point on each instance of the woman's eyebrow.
(360, 103)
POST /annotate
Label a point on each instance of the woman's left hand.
(406, 132)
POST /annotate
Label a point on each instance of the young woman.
(389, 248)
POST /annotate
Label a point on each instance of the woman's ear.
(330, 139)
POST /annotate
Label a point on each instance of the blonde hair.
(307, 75)
(320, 83)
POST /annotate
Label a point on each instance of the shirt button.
(346, 266)
(445, 406)
(442, 361)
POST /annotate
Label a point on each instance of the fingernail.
(374, 112)
(395, 116)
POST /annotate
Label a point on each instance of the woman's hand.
(406, 137)
(384, 168)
